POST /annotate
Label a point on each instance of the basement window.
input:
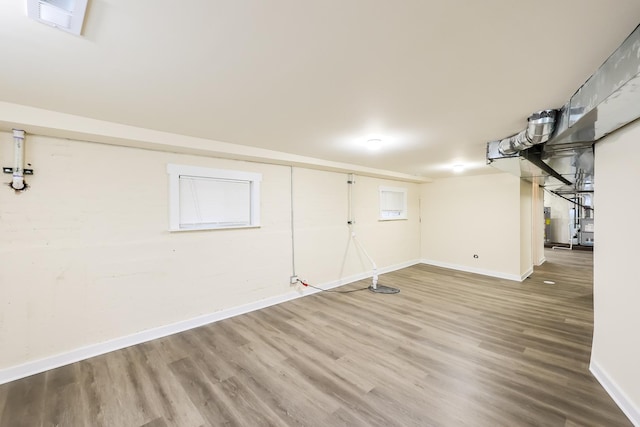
(393, 203)
(207, 199)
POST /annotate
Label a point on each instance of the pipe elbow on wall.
(18, 183)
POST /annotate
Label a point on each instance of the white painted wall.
(616, 341)
(537, 226)
(526, 231)
(463, 216)
(87, 258)
(325, 251)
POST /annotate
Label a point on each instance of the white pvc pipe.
(570, 248)
(18, 160)
(351, 221)
(350, 207)
(293, 231)
(374, 283)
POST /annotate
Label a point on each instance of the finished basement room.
(285, 213)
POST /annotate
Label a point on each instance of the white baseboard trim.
(467, 269)
(362, 276)
(622, 400)
(13, 373)
(541, 261)
(526, 274)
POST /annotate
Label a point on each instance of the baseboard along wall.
(622, 400)
(41, 365)
(467, 269)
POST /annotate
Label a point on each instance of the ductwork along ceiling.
(556, 148)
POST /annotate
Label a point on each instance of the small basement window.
(205, 199)
(393, 203)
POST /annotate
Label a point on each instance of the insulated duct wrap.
(539, 130)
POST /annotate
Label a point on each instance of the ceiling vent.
(67, 15)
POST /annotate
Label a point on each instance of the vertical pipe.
(293, 240)
(18, 160)
(350, 183)
(350, 222)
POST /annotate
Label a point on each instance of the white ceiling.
(434, 79)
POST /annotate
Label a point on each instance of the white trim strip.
(37, 366)
(526, 274)
(622, 400)
(466, 269)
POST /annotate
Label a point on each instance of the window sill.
(207, 228)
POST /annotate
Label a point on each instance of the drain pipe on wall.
(294, 276)
(17, 182)
(350, 222)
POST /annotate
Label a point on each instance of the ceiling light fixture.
(66, 15)
(374, 144)
(458, 168)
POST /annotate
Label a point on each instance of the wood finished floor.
(452, 349)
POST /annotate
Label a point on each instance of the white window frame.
(176, 171)
(384, 215)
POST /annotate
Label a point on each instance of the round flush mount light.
(374, 144)
(458, 168)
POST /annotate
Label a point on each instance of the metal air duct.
(540, 128)
(559, 153)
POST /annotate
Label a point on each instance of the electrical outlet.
(293, 280)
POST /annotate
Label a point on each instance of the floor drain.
(549, 282)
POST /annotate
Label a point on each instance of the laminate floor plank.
(3, 399)
(24, 404)
(111, 398)
(63, 386)
(346, 418)
(163, 389)
(250, 409)
(202, 392)
(216, 358)
(342, 391)
(158, 422)
(90, 400)
(451, 349)
(284, 389)
(292, 409)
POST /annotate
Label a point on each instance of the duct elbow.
(511, 145)
(540, 128)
